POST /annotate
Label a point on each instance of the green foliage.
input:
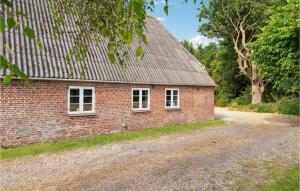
(139, 52)
(289, 106)
(12, 24)
(238, 21)
(7, 80)
(222, 100)
(166, 9)
(116, 23)
(29, 32)
(260, 108)
(220, 62)
(286, 105)
(286, 181)
(225, 71)
(120, 22)
(4, 63)
(37, 149)
(208, 56)
(2, 24)
(224, 16)
(244, 98)
(266, 108)
(7, 2)
(276, 49)
(189, 46)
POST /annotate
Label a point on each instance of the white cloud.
(161, 19)
(203, 40)
(160, 2)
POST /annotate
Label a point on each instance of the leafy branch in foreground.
(120, 25)
(9, 22)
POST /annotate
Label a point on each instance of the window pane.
(87, 107)
(145, 104)
(136, 92)
(168, 98)
(168, 92)
(175, 92)
(74, 100)
(144, 98)
(74, 92)
(74, 107)
(87, 92)
(88, 100)
(168, 103)
(175, 103)
(175, 98)
(145, 92)
(135, 105)
(135, 98)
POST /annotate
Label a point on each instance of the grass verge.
(287, 181)
(265, 176)
(260, 108)
(37, 149)
(287, 106)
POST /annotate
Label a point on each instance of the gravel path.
(207, 159)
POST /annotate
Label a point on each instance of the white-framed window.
(172, 98)
(81, 100)
(140, 99)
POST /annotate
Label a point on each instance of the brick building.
(167, 86)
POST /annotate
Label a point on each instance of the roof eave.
(118, 82)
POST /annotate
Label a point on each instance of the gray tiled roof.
(165, 60)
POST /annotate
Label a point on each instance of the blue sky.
(182, 21)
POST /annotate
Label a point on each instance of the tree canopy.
(220, 62)
(240, 21)
(276, 50)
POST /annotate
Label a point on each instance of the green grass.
(260, 108)
(37, 149)
(265, 176)
(286, 181)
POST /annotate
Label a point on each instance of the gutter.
(114, 82)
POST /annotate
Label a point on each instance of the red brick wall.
(38, 112)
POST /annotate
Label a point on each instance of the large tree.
(220, 62)
(240, 21)
(276, 50)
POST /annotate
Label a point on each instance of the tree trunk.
(246, 65)
(258, 86)
(256, 92)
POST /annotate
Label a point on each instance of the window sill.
(81, 114)
(172, 108)
(140, 110)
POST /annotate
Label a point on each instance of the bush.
(289, 106)
(244, 98)
(222, 100)
(265, 108)
(260, 108)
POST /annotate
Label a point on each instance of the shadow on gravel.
(292, 121)
(219, 116)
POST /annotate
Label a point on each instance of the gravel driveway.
(205, 159)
